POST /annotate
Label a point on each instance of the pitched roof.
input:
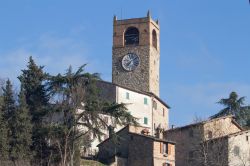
(153, 138)
(230, 135)
(137, 91)
(207, 121)
(137, 134)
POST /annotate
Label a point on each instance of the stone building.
(136, 54)
(135, 82)
(203, 142)
(135, 74)
(148, 108)
(134, 147)
(238, 152)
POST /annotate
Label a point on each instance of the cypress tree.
(3, 135)
(21, 132)
(7, 109)
(8, 106)
(32, 80)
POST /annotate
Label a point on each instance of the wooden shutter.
(169, 149)
(161, 148)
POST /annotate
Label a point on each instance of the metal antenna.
(121, 13)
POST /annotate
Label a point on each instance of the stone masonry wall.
(137, 79)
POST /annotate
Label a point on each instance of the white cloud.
(55, 53)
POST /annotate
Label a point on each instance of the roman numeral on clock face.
(130, 61)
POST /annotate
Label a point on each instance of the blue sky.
(205, 45)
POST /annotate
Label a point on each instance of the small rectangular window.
(163, 148)
(145, 101)
(163, 112)
(247, 138)
(191, 133)
(210, 134)
(166, 164)
(145, 120)
(127, 95)
(236, 150)
(154, 105)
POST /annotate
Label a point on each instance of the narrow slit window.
(154, 39)
(145, 101)
(127, 95)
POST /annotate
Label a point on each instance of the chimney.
(159, 133)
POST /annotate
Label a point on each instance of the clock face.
(130, 61)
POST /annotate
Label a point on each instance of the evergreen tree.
(234, 105)
(3, 135)
(21, 132)
(8, 106)
(7, 109)
(32, 80)
(78, 102)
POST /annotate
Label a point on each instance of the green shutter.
(145, 101)
(145, 120)
(127, 95)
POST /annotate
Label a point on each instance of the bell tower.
(136, 54)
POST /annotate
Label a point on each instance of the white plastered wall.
(243, 143)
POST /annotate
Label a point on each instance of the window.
(163, 111)
(210, 134)
(154, 39)
(127, 95)
(154, 105)
(131, 36)
(163, 148)
(191, 133)
(166, 164)
(145, 120)
(145, 101)
(236, 150)
(247, 138)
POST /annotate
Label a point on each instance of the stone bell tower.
(136, 54)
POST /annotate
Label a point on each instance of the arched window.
(131, 36)
(154, 39)
(210, 134)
